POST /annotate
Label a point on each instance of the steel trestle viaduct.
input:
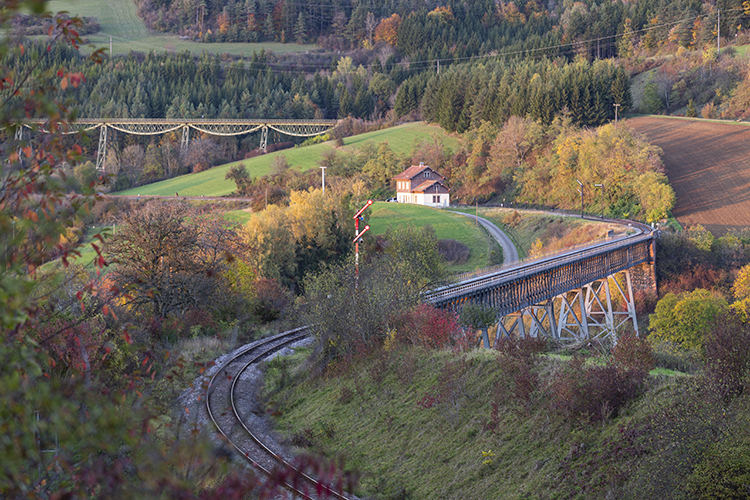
(218, 127)
(570, 296)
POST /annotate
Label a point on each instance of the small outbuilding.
(421, 185)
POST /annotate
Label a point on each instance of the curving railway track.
(222, 397)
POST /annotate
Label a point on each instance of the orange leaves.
(74, 79)
(387, 30)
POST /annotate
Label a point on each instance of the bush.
(727, 354)
(271, 299)
(724, 473)
(671, 357)
(453, 251)
(523, 348)
(595, 393)
(427, 326)
(684, 319)
(635, 353)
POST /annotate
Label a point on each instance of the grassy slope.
(212, 183)
(406, 450)
(385, 216)
(118, 19)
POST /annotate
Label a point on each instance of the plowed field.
(708, 165)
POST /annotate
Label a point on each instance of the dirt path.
(708, 165)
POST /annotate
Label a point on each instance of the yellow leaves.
(390, 340)
(741, 286)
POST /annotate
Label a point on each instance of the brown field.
(708, 165)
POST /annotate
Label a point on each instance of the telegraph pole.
(601, 186)
(617, 106)
(718, 32)
(323, 170)
(580, 190)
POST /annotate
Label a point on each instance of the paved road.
(510, 254)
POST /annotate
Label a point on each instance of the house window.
(436, 198)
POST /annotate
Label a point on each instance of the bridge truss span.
(582, 294)
(217, 127)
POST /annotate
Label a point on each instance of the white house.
(422, 185)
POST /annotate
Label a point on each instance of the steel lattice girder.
(516, 289)
(297, 128)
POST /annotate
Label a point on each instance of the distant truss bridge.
(218, 127)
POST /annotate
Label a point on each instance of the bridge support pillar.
(589, 312)
(185, 140)
(101, 152)
(540, 319)
(19, 133)
(264, 139)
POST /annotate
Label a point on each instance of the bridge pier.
(264, 139)
(582, 314)
(185, 139)
(101, 152)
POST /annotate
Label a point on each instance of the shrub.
(523, 348)
(683, 319)
(271, 299)
(671, 357)
(427, 326)
(453, 251)
(593, 393)
(727, 354)
(635, 353)
(519, 382)
(724, 473)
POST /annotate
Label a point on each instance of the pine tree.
(269, 32)
(300, 29)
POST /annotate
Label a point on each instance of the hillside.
(401, 139)
(120, 21)
(708, 167)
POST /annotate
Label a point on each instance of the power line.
(306, 69)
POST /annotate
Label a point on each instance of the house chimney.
(421, 164)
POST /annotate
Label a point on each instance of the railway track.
(224, 410)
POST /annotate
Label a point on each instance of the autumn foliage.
(387, 30)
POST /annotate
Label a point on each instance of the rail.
(225, 421)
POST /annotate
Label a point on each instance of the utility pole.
(617, 106)
(718, 32)
(323, 169)
(110, 46)
(601, 186)
(580, 190)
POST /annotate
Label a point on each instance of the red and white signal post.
(358, 235)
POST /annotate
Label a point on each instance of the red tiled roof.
(413, 171)
(426, 185)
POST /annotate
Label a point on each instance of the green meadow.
(447, 225)
(118, 20)
(212, 182)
